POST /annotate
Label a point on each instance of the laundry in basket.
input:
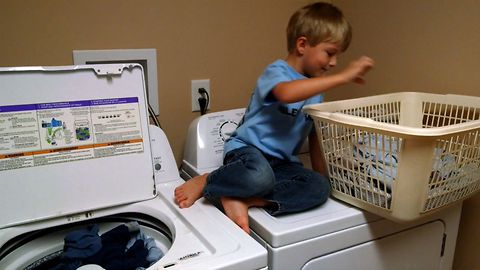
(402, 155)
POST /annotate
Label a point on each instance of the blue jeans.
(247, 173)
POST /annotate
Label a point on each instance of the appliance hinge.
(444, 240)
(111, 70)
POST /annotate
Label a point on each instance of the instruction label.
(48, 133)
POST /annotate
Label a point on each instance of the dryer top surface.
(328, 218)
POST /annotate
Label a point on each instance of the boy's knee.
(261, 181)
(321, 188)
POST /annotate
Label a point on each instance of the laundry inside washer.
(56, 181)
(152, 240)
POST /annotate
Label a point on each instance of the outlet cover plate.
(197, 84)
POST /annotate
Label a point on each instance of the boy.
(260, 167)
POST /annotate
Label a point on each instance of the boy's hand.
(357, 69)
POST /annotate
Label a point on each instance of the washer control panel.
(227, 128)
(207, 135)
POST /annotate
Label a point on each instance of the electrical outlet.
(197, 84)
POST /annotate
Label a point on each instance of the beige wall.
(429, 45)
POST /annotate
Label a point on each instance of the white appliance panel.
(206, 137)
(50, 169)
(394, 252)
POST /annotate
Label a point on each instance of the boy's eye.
(330, 54)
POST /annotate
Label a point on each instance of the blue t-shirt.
(277, 129)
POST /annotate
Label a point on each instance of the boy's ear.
(301, 44)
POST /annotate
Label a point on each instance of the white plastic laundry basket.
(403, 155)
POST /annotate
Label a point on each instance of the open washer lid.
(72, 139)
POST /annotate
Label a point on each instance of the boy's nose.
(333, 61)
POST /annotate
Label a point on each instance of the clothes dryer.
(332, 236)
(118, 170)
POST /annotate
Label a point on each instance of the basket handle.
(392, 129)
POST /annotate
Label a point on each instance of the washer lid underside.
(50, 172)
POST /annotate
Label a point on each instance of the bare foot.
(190, 191)
(237, 209)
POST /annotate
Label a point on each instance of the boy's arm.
(298, 90)
(316, 154)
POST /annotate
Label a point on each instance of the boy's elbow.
(282, 96)
(284, 99)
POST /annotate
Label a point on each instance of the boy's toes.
(184, 203)
(243, 225)
(179, 198)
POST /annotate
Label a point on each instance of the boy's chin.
(316, 75)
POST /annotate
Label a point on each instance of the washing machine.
(76, 152)
(335, 235)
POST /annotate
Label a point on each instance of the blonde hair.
(319, 22)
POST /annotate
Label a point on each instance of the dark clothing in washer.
(109, 251)
(114, 256)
